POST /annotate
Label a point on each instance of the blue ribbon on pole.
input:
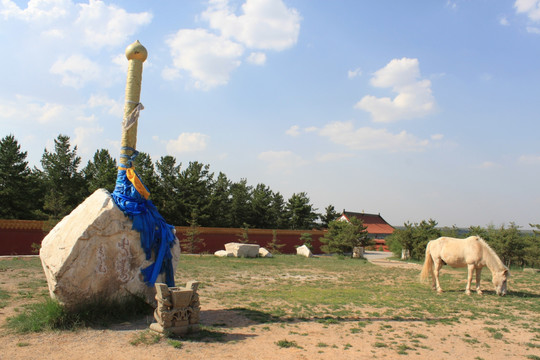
(157, 237)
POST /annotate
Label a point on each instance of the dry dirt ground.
(245, 339)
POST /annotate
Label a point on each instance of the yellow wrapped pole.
(136, 55)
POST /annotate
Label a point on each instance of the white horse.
(473, 253)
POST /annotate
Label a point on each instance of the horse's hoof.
(467, 292)
(479, 292)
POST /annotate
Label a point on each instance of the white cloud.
(210, 55)
(90, 25)
(257, 58)
(88, 139)
(488, 165)
(170, 73)
(37, 10)
(263, 24)
(529, 159)
(56, 34)
(530, 7)
(293, 131)
(108, 25)
(50, 113)
(533, 30)
(113, 107)
(333, 157)
(208, 58)
(76, 70)
(367, 138)
(437, 137)
(27, 109)
(354, 73)
(414, 98)
(187, 142)
(282, 160)
(504, 21)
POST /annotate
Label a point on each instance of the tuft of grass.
(380, 345)
(322, 345)
(47, 315)
(175, 343)
(287, 344)
(147, 337)
(328, 321)
(51, 315)
(23, 344)
(402, 349)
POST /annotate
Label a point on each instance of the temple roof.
(374, 222)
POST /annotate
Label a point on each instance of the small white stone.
(265, 253)
(304, 251)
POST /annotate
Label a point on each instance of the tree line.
(183, 194)
(513, 246)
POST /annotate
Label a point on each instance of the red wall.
(216, 238)
(17, 236)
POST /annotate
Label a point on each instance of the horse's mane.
(492, 260)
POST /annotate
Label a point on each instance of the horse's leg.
(470, 270)
(437, 265)
(478, 273)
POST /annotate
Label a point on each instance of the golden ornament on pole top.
(136, 55)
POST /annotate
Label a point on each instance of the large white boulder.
(93, 253)
(242, 250)
(304, 251)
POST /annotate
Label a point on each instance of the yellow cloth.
(137, 183)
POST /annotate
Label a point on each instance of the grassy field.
(290, 287)
(330, 291)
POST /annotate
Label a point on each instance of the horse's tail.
(427, 269)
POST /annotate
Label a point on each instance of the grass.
(147, 337)
(50, 315)
(287, 344)
(301, 288)
(286, 290)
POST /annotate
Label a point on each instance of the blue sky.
(416, 110)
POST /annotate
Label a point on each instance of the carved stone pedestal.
(177, 309)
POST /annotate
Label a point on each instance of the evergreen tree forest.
(183, 193)
(192, 195)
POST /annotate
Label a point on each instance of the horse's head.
(499, 281)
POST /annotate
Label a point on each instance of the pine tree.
(65, 185)
(101, 172)
(192, 242)
(343, 236)
(18, 184)
(329, 216)
(167, 196)
(220, 202)
(300, 212)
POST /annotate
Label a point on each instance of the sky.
(411, 109)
